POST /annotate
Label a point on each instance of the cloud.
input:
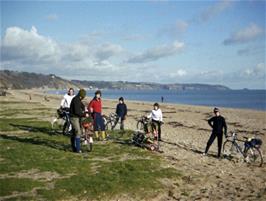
(156, 53)
(51, 17)
(214, 10)
(257, 72)
(28, 50)
(28, 46)
(178, 73)
(108, 50)
(174, 30)
(250, 33)
(252, 50)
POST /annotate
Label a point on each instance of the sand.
(185, 133)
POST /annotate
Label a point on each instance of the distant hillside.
(25, 80)
(147, 86)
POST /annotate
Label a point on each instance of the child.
(157, 118)
(121, 111)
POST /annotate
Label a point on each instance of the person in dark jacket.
(121, 111)
(77, 111)
(219, 127)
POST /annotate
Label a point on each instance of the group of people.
(78, 110)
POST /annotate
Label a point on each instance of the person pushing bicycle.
(219, 127)
(77, 111)
(157, 118)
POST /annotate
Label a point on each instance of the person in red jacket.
(95, 108)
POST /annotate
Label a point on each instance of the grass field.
(37, 162)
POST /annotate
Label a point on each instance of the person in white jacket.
(66, 101)
(157, 118)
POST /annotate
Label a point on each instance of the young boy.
(121, 111)
(218, 125)
(157, 118)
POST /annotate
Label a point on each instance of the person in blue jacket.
(121, 111)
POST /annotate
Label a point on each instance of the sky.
(210, 42)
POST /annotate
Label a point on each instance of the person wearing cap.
(77, 111)
(95, 108)
(218, 125)
(121, 111)
(157, 118)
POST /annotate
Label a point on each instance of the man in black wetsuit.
(218, 125)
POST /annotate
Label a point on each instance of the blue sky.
(212, 42)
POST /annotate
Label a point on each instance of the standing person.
(66, 101)
(157, 118)
(218, 124)
(121, 111)
(77, 111)
(162, 99)
(95, 108)
(65, 106)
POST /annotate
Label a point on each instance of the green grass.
(27, 111)
(113, 168)
(9, 185)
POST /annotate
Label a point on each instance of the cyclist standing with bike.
(66, 101)
(121, 111)
(77, 111)
(64, 107)
(218, 125)
(157, 118)
(95, 108)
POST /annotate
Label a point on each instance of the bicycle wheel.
(89, 145)
(229, 149)
(140, 125)
(65, 128)
(108, 125)
(253, 156)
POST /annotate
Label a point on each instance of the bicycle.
(109, 121)
(63, 114)
(149, 139)
(250, 152)
(142, 123)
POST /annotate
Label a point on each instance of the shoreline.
(44, 92)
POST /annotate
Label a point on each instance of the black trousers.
(158, 127)
(122, 120)
(220, 142)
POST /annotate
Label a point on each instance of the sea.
(243, 99)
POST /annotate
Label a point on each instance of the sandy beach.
(184, 134)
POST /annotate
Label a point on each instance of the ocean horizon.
(241, 99)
